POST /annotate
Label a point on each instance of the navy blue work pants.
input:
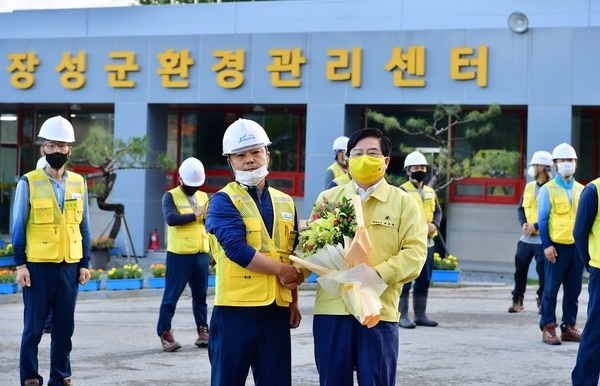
(424, 280)
(250, 337)
(568, 271)
(342, 344)
(525, 253)
(53, 286)
(587, 366)
(181, 271)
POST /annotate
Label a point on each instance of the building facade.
(308, 71)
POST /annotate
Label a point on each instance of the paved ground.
(477, 342)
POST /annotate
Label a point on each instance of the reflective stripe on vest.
(343, 179)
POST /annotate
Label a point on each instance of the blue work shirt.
(225, 222)
(544, 208)
(586, 215)
(21, 210)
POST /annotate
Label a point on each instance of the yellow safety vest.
(54, 236)
(530, 204)
(562, 213)
(343, 179)
(336, 169)
(238, 286)
(594, 237)
(427, 202)
(190, 238)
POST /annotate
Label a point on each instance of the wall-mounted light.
(258, 109)
(517, 22)
(8, 117)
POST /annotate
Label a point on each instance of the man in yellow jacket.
(187, 253)
(398, 231)
(252, 229)
(51, 240)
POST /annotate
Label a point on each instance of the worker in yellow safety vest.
(253, 230)
(557, 206)
(51, 241)
(415, 165)
(187, 253)
(340, 166)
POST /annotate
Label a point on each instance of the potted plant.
(94, 283)
(100, 251)
(128, 277)
(8, 282)
(445, 269)
(6, 255)
(158, 273)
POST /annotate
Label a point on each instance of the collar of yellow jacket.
(381, 193)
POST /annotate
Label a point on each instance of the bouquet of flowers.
(329, 224)
(335, 245)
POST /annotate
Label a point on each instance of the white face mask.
(251, 178)
(531, 172)
(566, 169)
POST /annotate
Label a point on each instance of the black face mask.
(418, 176)
(189, 190)
(56, 160)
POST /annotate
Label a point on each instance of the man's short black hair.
(384, 142)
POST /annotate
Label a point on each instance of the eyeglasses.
(371, 153)
(62, 146)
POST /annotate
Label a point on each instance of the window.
(494, 159)
(201, 136)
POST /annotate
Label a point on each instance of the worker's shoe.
(420, 306)
(549, 334)
(202, 340)
(404, 321)
(570, 333)
(517, 304)
(539, 305)
(169, 343)
(67, 381)
(31, 382)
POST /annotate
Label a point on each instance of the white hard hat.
(41, 163)
(541, 158)
(191, 172)
(564, 151)
(243, 135)
(415, 158)
(340, 143)
(57, 129)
